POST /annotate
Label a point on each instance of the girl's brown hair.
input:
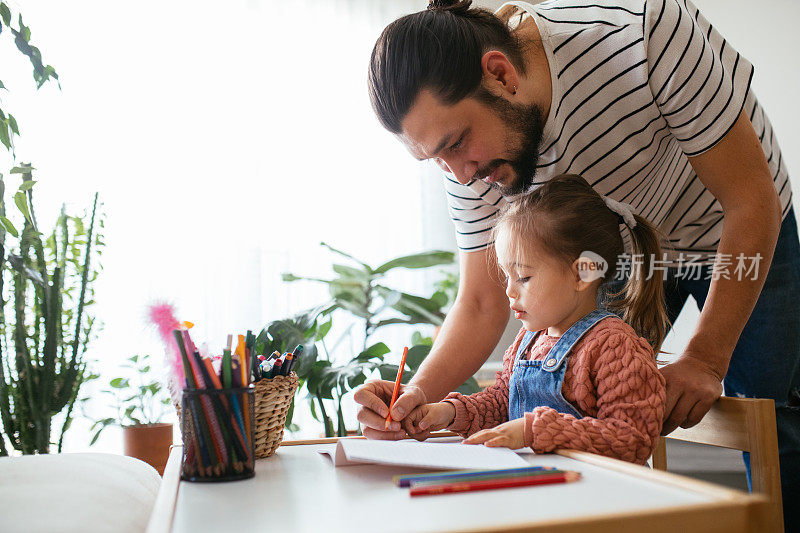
(565, 217)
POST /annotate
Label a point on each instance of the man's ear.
(499, 74)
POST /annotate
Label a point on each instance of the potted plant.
(46, 316)
(140, 405)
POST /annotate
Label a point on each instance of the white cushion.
(80, 492)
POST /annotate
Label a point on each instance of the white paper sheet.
(443, 456)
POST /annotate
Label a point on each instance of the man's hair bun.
(457, 7)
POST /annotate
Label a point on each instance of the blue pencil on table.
(445, 477)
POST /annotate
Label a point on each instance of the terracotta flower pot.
(149, 443)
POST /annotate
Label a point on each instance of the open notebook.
(435, 455)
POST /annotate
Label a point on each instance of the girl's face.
(542, 291)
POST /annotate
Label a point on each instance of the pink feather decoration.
(162, 316)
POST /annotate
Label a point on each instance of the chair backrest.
(746, 424)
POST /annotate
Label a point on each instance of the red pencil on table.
(503, 483)
(396, 387)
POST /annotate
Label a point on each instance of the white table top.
(299, 490)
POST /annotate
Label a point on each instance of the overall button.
(550, 362)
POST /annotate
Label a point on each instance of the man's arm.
(469, 334)
(470, 331)
(736, 172)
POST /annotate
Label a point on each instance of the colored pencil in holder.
(240, 462)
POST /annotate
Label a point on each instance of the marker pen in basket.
(264, 369)
(277, 367)
(287, 362)
(298, 351)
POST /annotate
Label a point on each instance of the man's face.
(482, 137)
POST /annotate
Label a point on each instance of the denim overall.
(538, 383)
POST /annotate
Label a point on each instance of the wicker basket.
(272, 400)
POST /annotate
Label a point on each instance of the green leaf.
(23, 29)
(5, 13)
(313, 407)
(390, 299)
(439, 298)
(417, 338)
(22, 204)
(9, 226)
(12, 123)
(334, 250)
(25, 169)
(357, 381)
(119, 383)
(420, 260)
(376, 351)
(389, 373)
(307, 360)
(322, 330)
(315, 376)
(417, 354)
(469, 387)
(4, 137)
(352, 273)
(418, 307)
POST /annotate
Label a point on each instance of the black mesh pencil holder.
(217, 427)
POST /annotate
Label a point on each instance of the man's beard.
(525, 128)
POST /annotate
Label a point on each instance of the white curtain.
(226, 141)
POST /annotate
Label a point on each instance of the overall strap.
(527, 340)
(564, 345)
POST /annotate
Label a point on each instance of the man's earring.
(515, 90)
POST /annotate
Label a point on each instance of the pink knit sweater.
(611, 379)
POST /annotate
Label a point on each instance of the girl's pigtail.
(642, 304)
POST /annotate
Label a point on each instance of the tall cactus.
(47, 331)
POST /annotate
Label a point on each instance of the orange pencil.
(396, 387)
(240, 351)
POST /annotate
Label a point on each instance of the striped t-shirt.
(637, 87)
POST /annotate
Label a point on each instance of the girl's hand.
(509, 434)
(429, 417)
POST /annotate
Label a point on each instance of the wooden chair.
(741, 424)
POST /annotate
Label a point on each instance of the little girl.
(576, 376)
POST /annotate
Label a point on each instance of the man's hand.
(429, 417)
(509, 435)
(374, 397)
(692, 388)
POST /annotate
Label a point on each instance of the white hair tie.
(624, 210)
